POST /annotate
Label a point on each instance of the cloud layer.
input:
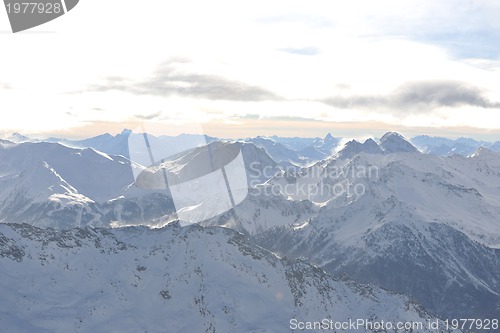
(419, 96)
(168, 80)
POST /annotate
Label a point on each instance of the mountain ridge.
(189, 279)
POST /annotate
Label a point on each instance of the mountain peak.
(389, 135)
(328, 137)
(370, 146)
(393, 142)
(355, 147)
(18, 138)
(126, 132)
(484, 152)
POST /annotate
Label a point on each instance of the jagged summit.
(393, 142)
(390, 142)
(328, 144)
(355, 147)
(390, 134)
(485, 152)
(371, 146)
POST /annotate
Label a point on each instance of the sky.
(238, 68)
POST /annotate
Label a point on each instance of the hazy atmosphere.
(233, 70)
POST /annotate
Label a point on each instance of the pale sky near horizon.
(236, 69)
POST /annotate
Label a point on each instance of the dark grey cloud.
(420, 95)
(442, 93)
(308, 51)
(169, 80)
(150, 116)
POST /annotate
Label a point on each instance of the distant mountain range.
(282, 149)
(447, 147)
(379, 212)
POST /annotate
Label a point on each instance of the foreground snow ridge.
(175, 279)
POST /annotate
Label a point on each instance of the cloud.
(420, 95)
(442, 93)
(168, 80)
(150, 116)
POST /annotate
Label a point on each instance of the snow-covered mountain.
(390, 143)
(174, 279)
(393, 142)
(19, 138)
(353, 148)
(262, 210)
(419, 224)
(298, 151)
(295, 143)
(281, 149)
(381, 212)
(447, 147)
(119, 144)
(277, 151)
(258, 166)
(42, 182)
(107, 143)
(47, 184)
(325, 146)
(495, 146)
(208, 181)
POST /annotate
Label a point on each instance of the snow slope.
(47, 184)
(173, 279)
(431, 221)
